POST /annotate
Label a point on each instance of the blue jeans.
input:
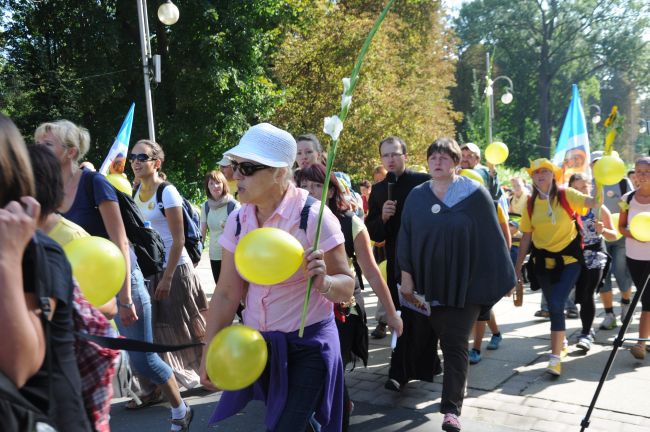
(557, 293)
(570, 304)
(149, 365)
(619, 267)
(306, 380)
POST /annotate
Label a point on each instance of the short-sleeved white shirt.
(170, 199)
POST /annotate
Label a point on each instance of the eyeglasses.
(391, 155)
(247, 168)
(140, 157)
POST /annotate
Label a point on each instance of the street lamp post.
(168, 15)
(506, 98)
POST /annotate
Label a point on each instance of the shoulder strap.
(622, 185)
(346, 228)
(159, 192)
(206, 209)
(561, 195)
(304, 214)
(629, 197)
(230, 206)
(42, 275)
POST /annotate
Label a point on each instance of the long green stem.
(332, 151)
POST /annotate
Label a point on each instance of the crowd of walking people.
(453, 247)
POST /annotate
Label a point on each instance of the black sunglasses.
(247, 168)
(140, 157)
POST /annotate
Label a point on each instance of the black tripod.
(618, 342)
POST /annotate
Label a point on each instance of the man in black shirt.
(383, 223)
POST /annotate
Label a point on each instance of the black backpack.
(147, 243)
(191, 225)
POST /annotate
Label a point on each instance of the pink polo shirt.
(278, 307)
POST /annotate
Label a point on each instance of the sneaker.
(584, 342)
(542, 313)
(638, 351)
(184, 423)
(609, 322)
(554, 366)
(451, 423)
(494, 342)
(474, 356)
(379, 332)
(392, 385)
(572, 314)
(624, 309)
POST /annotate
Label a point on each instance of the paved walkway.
(508, 390)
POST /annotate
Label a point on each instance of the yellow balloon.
(640, 226)
(496, 153)
(470, 173)
(99, 267)
(609, 170)
(120, 182)
(236, 357)
(614, 217)
(382, 270)
(268, 256)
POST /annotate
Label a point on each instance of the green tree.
(545, 45)
(81, 60)
(403, 88)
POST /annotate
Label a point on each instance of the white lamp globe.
(595, 119)
(506, 98)
(168, 13)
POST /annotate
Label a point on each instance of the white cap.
(266, 144)
(224, 162)
(472, 148)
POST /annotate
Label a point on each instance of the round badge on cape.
(151, 205)
(435, 208)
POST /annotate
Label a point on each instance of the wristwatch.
(126, 305)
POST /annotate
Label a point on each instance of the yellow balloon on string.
(99, 267)
(640, 226)
(236, 357)
(120, 182)
(609, 170)
(496, 153)
(470, 173)
(268, 256)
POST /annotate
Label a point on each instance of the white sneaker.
(584, 342)
(609, 322)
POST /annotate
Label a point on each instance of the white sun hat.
(267, 145)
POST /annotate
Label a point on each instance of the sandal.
(152, 398)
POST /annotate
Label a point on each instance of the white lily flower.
(346, 85)
(345, 101)
(333, 126)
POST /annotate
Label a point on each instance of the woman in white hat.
(550, 222)
(310, 366)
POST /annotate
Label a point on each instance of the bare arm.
(174, 217)
(370, 269)
(506, 234)
(523, 251)
(333, 279)
(22, 346)
(204, 230)
(110, 212)
(605, 226)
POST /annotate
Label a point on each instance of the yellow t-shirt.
(501, 215)
(518, 205)
(553, 236)
(65, 231)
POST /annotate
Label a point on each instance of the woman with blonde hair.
(214, 212)
(99, 214)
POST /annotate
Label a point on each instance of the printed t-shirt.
(553, 236)
(151, 212)
(279, 307)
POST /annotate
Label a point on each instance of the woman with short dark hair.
(452, 252)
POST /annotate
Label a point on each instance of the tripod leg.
(618, 342)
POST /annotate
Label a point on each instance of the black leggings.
(639, 270)
(585, 289)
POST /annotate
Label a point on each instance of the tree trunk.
(544, 121)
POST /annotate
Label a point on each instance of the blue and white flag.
(572, 150)
(116, 159)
